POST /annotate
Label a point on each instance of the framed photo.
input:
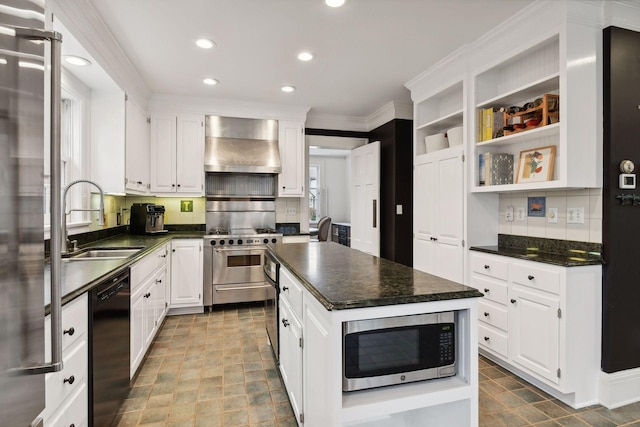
(536, 206)
(536, 165)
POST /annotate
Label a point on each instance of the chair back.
(323, 228)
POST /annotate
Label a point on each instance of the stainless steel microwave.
(398, 350)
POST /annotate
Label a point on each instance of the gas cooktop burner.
(266, 231)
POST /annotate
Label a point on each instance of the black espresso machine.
(147, 218)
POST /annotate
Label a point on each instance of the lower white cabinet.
(66, 398)
(291, 356)
(148, 302)
(541, 321)
(186, 273)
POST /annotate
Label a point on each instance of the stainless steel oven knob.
(273, 240)
(231, 242)
(213, 243)
(222, 242)
(239, 241)
(265, 241)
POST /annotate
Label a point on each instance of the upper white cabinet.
(137, 149)
(177, 154)
(559, 59)
(291, 143)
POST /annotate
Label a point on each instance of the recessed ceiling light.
(205, 43)
(76, 60)
(305, 56)
(288, 88)
(334, 3)
(210, 81)
(3, 61)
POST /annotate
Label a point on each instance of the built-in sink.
(102, 253)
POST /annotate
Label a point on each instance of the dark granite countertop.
(341, 277)
(79, 277)
(564, 253)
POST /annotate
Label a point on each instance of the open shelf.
(519, 95)
(521, 137)
(442, 124)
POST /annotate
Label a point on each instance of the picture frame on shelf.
(536, 165)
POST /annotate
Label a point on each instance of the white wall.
(335, 176)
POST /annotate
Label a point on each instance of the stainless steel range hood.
(241, 145)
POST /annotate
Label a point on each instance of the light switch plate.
(509, 214)
(398, 209)
(552, 215)
(575, 215)
(292, 211)
(520, 214)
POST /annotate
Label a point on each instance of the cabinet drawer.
(147, 265)
(545, 279)
(74, 412)
(493, 340)
(491, 266)
(60, 385)
(491, 289)
(74, 323)
(291, 290)
(493, 314)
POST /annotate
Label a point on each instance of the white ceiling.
(364, 52)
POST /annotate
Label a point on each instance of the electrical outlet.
(575, 215)
(292, 211)
(398, 209)
(509, 213)
(520, 214)
(552, 215)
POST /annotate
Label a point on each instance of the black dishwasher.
(109, 317)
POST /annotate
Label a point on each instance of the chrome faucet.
(65, 240)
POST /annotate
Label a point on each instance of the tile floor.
(217, 370)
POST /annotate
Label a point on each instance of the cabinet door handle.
(139, 182)
(69, 331)
(178, 185)
(159, 281)
(69, 380)
(285, 322)
(530, 277)
(173, 185)
(486, 267)
(486, 338)
(486, 290)
(147, 295)
(285, 288)
(513, 301)
(486, 314)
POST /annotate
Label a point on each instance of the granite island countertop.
(79, 277)
(341, 278)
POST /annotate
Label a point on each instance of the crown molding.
(392, 110)
(622, 14)
(87, 26)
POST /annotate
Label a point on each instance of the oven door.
(237, 275)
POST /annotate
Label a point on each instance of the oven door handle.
(240, 288)
(269, 279)
(244, 248)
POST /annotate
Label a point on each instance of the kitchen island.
(323, 285)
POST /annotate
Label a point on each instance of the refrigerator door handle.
(55, 40)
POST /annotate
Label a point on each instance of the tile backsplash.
(589, 231)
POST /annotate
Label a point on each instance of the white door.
(424, 215)
(163, 154)
(365, 198)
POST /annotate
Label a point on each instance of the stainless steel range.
(241, 163)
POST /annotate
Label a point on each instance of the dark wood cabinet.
(341, 233)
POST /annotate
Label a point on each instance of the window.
(314, 193)
(72, 129)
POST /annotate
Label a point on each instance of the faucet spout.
(65, 240)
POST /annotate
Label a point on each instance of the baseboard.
(620, 388)
(174, 311)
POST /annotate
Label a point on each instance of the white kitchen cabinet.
(63, 388)
(186, 274)
(292, 157)
(177, 154)
(148, 302)
(439, 214)
(108, 140)
(538, 320)
(137, 149)
(291, 356)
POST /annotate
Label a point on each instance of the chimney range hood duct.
(241, 145)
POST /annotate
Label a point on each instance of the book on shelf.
(495, 168)
(492, 123)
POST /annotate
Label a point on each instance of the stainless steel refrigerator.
(28, 56)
